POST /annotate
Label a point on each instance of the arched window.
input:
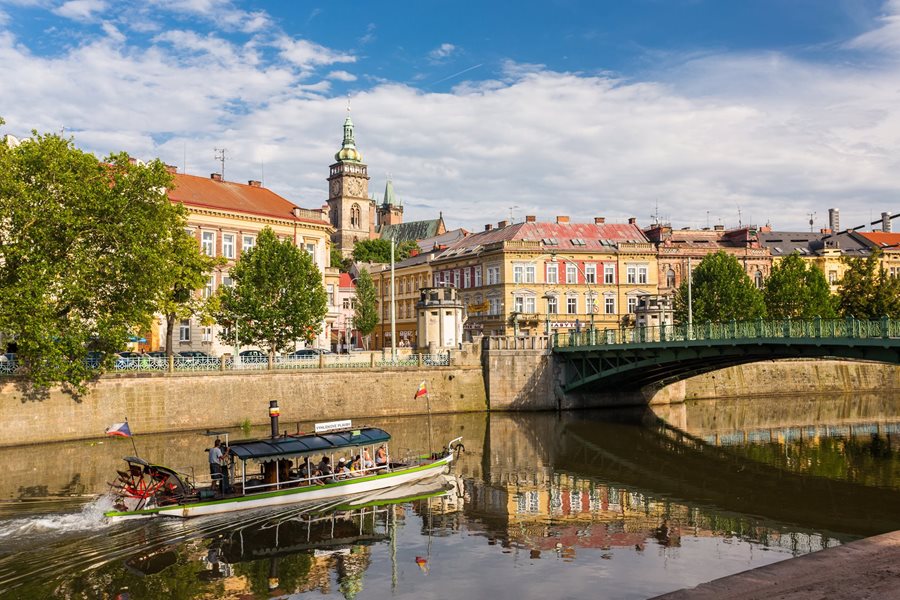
(758, 279)
(354, 216)
(670, 278)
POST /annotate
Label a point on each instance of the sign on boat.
(276, 471)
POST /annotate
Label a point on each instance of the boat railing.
(312, 480)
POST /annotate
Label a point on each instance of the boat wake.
(89, 518)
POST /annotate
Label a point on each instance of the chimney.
(562, 219)
(886, 222)
(718, 227)
(530, 218)
(834, 219)
(825, 231)
(632, 221)
(488, 227)
(254, 183)
(296, 212)
(599, 220)
(502, 224)
(215, 176)
(414, 252)
(273, 416)
(171, 169)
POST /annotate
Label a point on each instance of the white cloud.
(220, 12)
(776, 136)
(112, 32)
(442, 52)
(80, 10)
(887, 35)
(4, 18)
(341, 76)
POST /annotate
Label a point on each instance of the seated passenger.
(381, 457)
(342, 471)
(355, 463)
(324, 466)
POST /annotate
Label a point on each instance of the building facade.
(225, 218)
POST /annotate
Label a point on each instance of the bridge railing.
(735, 330)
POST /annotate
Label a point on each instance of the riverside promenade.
(867, 568)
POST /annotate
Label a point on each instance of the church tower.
(391, 211)
(352, 211)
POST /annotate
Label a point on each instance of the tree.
(188, 271)
(365, 317)
(337, 260)
(379, 250)
(867, 291)
(721, 291)
(82, 254)
(277, 297)
(797, 289)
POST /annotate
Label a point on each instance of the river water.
(613, 504)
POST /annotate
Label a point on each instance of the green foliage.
(721, 291)
(337, 260)
(797, 289)
(379, 250)
(365, 318)
(867, 291)
(293, 571)
(188, 271)
(82, 254)
(277, 298)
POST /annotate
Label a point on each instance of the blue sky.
(708, 109)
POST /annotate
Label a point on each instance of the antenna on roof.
(740, 222)
(220, 156)
(511, 219)
(812, 216)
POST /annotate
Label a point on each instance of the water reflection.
(612, 504)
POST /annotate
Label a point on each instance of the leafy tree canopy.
(83, 254)
(379, 250)
(277, 297)
(797, 289)
(721, 291)
(338, 260)
(867, 291)
(365, 318)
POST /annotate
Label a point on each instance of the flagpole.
(132, 440)
(430, 439)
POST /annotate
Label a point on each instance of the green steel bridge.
(629, 358)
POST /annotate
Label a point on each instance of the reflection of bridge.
(633, 357)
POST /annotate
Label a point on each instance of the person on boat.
(381, 457)
(355, 464)
(324, 467)
(367, 459)
(215, 463)
(343, 471)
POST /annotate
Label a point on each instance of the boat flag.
(421, 391)
(120, 429)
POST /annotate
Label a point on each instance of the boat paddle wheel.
(144, 485)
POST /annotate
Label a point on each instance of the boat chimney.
(273, 416)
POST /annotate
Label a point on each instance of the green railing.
(758, 329)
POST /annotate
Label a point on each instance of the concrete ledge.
(868, 568)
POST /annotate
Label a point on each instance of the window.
(477, 276)
(355, 216)
(590, 300)
(552, 273)
(590, 273)
(571, 273)
(467, 278)
(518, 273)
(670, 278)
(609, 305)
(210, 286)
(346, 303)
(184, 331)
(572, 305)
(632, 303)
(609, 273)
(437, 280)
(552, 305)
(208, 243)
(495, 306)
(519, 304)
(228, 245)
(456, 278)
(248, 242)
(330, 293)
(631, 274)
(227, 281)
(206, 334)
(529, 273)
(642, 273)
(493, 275)
(311, 250)
(530, 304)
(758, 279)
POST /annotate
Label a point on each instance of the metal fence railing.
(363, 360)
(758, 329)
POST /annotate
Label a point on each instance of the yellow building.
(226, 217)
(530, 278)
(825, 249)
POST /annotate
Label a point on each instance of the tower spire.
(348, 151)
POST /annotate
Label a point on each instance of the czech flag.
(421, 391)
(119, 429)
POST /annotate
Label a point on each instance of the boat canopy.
(292, 445)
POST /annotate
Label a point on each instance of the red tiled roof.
(881, 238)
(228, 195)
(346, 281)
(593, 234)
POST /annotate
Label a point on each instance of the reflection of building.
(226, 217)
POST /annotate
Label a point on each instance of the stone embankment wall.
(520, 374)
(155, 403)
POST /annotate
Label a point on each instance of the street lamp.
(591, 293)
(547, 297)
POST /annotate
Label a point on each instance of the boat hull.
(315, 493)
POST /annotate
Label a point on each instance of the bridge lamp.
(547, 298)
